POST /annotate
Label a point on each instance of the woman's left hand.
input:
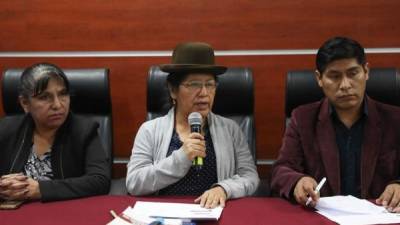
(212, 198)
(33, 190)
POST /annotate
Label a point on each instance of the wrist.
(34, 193)
(222, 190)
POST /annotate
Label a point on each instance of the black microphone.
(194, 120)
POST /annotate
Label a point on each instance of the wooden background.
(146, 25)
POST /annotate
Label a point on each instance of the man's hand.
(212, 198)
(390, 198)
(304, 188)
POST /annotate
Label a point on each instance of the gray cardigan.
(149, 170)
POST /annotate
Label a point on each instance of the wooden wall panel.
(73, 25)
(128, 92)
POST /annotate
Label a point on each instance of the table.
(95, 210)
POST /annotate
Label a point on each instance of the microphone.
(194, 120)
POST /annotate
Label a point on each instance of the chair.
(301, 88)
(90, 96)
(234, 99)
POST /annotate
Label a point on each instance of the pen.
(319, 186)
(123, 217)
(185, 221)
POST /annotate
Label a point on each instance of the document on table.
(144, 213)
(175, 211)
(354, 211)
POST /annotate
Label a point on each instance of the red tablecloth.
(96, 210)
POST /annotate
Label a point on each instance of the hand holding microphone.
(194, 145)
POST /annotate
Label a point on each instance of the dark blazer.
(309, 149)
(80, 165)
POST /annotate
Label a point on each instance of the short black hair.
(339, 48)
(34, 79)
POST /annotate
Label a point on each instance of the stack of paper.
(171, 213)
(175, 211)
(351, 210)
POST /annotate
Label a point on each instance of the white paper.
(127, 220)
(347, 210)
(118, 221)
(175, 210)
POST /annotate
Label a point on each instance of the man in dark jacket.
(347, 137)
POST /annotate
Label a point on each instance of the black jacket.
(80, 165)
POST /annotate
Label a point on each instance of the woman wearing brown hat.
(165, 148)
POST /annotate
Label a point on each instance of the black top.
(196, 181)
(80, 165)
(349, 142)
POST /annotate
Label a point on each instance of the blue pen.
(158, 221)
(188, 223)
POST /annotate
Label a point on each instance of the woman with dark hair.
(165, 149)
(49, 153)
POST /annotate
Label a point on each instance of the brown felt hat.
(193, 57)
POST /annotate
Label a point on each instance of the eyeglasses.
(198, 85)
